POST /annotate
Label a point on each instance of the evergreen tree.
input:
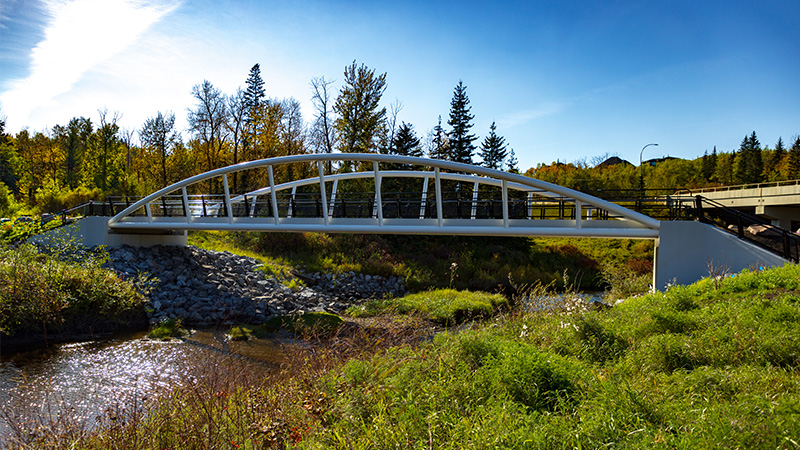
(493, 149)
(748, 166)
(254, 95)
(794, 160)
(708, 164)
(773, 161)
(406, 142)
(360, 120)
(461, 146)
(512, 163)
(439, 142)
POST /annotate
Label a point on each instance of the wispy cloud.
(79, 35)
(521, 117)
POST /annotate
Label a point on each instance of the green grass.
(711, 365)
(443, 306)
(168, 329)
(309, 323)
(11, 232)
(425, 262)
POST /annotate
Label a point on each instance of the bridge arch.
(490, 202)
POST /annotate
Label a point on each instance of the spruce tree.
(254, 95)
(773, 161)
(493, 149)
(439, 142)
(512, 163)
(748, 166)
(406, 142)
(709, 164)
(794, 160)
(460, 144)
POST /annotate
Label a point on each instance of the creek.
(75, 383)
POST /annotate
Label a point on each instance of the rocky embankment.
(206, 288)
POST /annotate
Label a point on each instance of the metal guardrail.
(737, 187)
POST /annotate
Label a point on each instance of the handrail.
(184, 216)
(788, 247)
(737, 187)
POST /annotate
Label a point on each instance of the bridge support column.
(780, 216)
(689, 251)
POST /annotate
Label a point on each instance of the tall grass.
(704, 366)
(427, 262)
(43, 294)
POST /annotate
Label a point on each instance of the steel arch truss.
(480, 201)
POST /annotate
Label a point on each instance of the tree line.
(88, 159)
(750, 163)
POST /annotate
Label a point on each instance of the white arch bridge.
(395, 195)
(390, 194)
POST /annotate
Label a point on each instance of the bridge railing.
(738, 187)
(431, 197)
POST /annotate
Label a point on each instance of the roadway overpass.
(778, 201)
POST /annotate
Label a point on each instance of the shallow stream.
(80, 381)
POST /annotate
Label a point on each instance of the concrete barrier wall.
(93, 231)
(689, 251)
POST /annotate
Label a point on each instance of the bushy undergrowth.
(711, 365)
(17, 232)
(168, 329)
(43, 294)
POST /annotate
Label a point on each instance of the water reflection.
(80, 381)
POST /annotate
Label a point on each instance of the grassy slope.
(698, 367)
(482, 263)
(712, 365)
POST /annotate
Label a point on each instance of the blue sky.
(563, 80)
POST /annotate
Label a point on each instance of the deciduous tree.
(208, 123)
(323, 135)
(104, 162)
(360, 117)
(158, 135)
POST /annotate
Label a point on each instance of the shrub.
(42, 294)
(54, 198)
(168, 329)
(443, 306)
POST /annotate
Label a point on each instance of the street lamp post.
(641, 170)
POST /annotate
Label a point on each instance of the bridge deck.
(485, 202)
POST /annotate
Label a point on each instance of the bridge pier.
(688, 251)
(780, 216)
